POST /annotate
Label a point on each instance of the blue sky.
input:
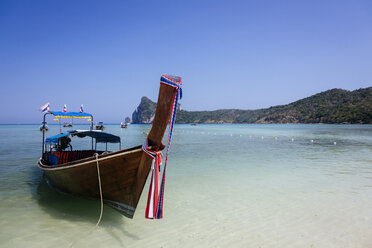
(231, 54)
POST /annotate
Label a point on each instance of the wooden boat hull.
(123, 175)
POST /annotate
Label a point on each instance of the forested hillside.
(332, 106)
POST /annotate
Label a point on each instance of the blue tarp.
(100, 137)
(54, 139)
(60, 114)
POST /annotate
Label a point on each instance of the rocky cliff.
(145, 111)
(331, 106)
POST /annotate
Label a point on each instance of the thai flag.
(64, 108)
(81, 108)
(45, 107)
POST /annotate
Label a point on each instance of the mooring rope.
(101, 197)
(100, 191)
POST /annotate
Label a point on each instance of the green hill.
(332, 106)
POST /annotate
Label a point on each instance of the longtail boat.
(67, 124)
(44, 127)
(100, 126)
(120, 175)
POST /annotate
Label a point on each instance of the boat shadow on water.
(61, 206)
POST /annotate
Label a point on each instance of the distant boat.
(123, 125)
(67, 124)
(44, 127)
(100, 126)
(194, 124)
(122, 174)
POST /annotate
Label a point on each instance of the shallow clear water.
(227, 186)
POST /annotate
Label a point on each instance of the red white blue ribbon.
(153, 196)
(155, 199)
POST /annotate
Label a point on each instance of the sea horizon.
(118, 123)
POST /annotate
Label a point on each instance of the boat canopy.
(60, 114)
(54, 139)
(100, 137)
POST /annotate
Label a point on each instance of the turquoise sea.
(232, 185)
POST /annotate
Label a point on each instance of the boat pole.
(91, 129)
(42, 149)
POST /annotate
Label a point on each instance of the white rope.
(101, 196)
(100, 191)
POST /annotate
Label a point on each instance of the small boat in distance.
(100, 126)
(116, 177)
(123, 125)
(43, 127)
(67, 124)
